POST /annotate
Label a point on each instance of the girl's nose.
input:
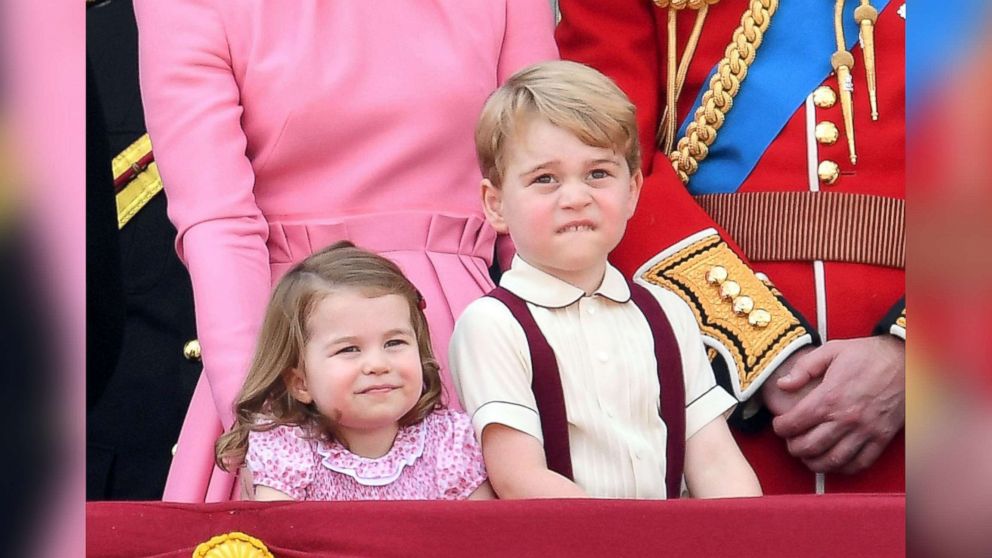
(375, 363)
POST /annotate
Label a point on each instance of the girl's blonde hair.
(265, 400)
(571, 96)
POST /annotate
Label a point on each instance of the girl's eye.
(348, 349)
(396, 342)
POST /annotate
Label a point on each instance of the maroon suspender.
(546, 385)
(672, 383)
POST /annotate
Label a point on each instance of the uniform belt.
(807, 226)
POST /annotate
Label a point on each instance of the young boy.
(573, 376)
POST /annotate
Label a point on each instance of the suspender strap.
(545, 383)
(671, 381)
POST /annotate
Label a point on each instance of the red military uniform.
(776, 192)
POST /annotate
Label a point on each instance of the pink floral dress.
(436, 459)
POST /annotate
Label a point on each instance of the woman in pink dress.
(281, 127)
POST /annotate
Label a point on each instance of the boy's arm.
(491, 368)
(484, 492)
(518, 468)
(714, 465)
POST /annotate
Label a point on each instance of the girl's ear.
(296, 381)
(492, 205)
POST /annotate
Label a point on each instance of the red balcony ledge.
(807, 526)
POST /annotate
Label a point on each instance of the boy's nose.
(574, 194)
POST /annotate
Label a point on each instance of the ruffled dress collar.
(407, 448)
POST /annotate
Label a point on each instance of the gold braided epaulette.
(745, 318)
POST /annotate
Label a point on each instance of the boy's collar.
(543, 289)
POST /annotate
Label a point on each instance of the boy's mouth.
(576, 226)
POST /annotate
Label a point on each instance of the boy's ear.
(296, 382)
(492, 205)
(636, 182)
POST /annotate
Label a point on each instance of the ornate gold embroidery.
(232, 545)
(752, 345)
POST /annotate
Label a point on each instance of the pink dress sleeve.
(459, 457)
(193, 113)
(527, 39)
(281, 459)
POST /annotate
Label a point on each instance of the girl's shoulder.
(281, 457)
(284, 439)
(455, 453)
(444, 420)
(449, 430)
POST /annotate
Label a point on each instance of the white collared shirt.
(609, 375)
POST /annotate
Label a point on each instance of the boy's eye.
(544, 179)
(599, 174)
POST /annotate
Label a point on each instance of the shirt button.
(602, 356)
(590, 310)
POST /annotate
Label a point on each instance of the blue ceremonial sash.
(798, 43)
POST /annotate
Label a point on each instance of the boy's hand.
(846, 422)
(780, 401)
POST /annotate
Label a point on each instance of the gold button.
(828, 171)
(827, 133)
(191, 350)
(175, 448)
(716, 275)
(824, 97)
(759, 318)
(743, 305)
(729, 290)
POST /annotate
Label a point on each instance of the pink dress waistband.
(292, 240)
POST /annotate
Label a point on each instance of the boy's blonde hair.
(569, 95)
(265, 400)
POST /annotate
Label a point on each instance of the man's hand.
(846, 422)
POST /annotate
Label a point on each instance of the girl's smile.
(362, 366)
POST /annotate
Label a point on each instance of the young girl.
(342, 401)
